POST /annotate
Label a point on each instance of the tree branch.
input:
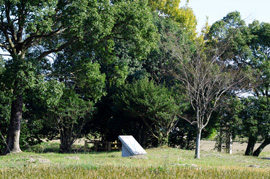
(10, 23)
(44, 54)
(186, 119)
(34, 38)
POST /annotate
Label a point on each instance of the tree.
(159, 61)
(228, 121)
(154, 105)
(31, 31)
(232, 30)
(183, 135)
(250, 49)
(184, 16)
(123, 62)
(253, 123)
(37, 103)
(84, 85)
(206, 77)
(260, 61)
(70, 116)
(4, 107)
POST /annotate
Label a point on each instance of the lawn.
(158, 163)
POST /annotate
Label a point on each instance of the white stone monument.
(130, 146)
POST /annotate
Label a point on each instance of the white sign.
(130, 146)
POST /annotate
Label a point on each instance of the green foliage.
(183, 136)
(35, 29)
(228, 114)
(184, 16)
(99, 48)
(5, 101)
(249, 49)
(132, 37)
(159, 62)
(260, 33)
(69, 116)
(255, 117)
(79, 72)
(90, 81)
(38, 100)
(19, 69)
(154, 105)
(232, 31)
(133, 21)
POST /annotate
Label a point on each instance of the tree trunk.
(198, 144)
(219, 145)
(66, 140)
(261, 147)
(229, 143)
(141, 136)
(13, 137)
(250, 147)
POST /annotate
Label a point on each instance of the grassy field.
(160, 163)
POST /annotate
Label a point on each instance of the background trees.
(249, 50)
(127, 67)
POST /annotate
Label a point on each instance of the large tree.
(31, 31)
(260, 62)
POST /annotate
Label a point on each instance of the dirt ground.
(237, 147)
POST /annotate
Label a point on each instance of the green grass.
(160, 163)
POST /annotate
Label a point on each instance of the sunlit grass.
(160, 163)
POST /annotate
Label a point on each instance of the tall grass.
(129, 172)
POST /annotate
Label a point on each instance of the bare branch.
(186, 119)
(5, 55)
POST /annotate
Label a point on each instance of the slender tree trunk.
(13, 137)
(219, 146)
(229, 143)
(143, 138)
(250, 147)
(261, 147)
(198, 144)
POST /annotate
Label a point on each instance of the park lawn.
(160, 163)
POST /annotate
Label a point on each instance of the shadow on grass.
(49, 147)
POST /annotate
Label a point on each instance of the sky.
(250, 10)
